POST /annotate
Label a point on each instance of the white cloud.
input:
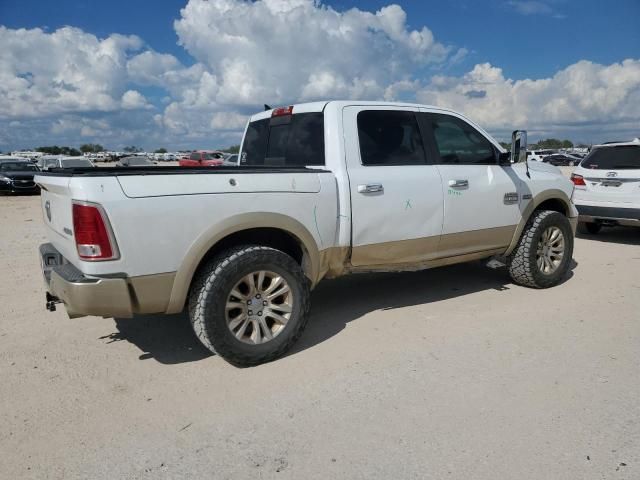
(132, 100)
(71, 86)
(585, 96)
(530, 7)
(280, 50)
(64, 71)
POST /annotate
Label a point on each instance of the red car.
(202, 158)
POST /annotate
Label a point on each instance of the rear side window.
(613, 158)
(459, 143)
(194, 156)
(297, 140)
(390, 138)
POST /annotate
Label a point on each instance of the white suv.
(607, 186)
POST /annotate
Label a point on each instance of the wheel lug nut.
(248, 302)
(258, 295)
(250, 312)
(259, 314)
(264, 303)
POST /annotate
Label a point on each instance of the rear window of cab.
(613, 158)
(288, 140)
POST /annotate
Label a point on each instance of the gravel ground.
(447, 373)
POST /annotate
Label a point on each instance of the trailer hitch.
(51, 302)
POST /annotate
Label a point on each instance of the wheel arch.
(268, 229)
(553, 199)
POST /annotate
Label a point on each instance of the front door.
(396, 195)
(481, 197)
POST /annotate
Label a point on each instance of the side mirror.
(504, 159)
(519, 146)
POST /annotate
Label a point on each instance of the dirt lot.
(448, 373)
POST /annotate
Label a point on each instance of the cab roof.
(320, 106)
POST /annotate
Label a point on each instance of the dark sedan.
(16, 176)
(561, 159)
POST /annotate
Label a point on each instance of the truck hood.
(544, 167)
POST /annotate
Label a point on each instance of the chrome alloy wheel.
(259, 307)
(550, 250)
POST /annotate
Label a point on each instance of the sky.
(187, 74)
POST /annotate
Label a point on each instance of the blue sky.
(493, 43)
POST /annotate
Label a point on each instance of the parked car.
(562, 160)
(16, 175)
(607, 187)
(325, 189)
(203, 158)
(231, 160)
(539, 155)
(58, 161)
(135, 161)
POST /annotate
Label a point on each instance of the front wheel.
(249, 304)
(543, 255)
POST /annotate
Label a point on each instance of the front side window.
(390, 138)
(458, 142)
(194, 156)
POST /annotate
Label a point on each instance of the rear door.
(612, 174)
(481, 198)
(396, 193)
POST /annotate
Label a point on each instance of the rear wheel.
(589, 227)
(544, 252)
(249, 304)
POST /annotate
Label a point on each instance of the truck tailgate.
(57, 213)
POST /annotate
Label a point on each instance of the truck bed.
(171, 170)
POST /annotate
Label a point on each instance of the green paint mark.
(455, 192)
(315, 218)
(407, 205)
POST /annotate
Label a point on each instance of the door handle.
(458, 183)
(371, 188)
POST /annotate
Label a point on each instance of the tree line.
(96, 148)
(548, 143)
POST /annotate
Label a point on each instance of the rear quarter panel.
(161, 220)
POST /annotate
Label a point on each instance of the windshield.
(17, 167)
(212, 156)
(139, 162)
(81, 162)
(613, 158)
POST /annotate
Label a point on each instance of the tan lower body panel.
(151, 293)
(437, 262)
(462, 243)
(422, 251)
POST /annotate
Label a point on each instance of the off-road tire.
(211, 287)
(589, 228)
(522, 262)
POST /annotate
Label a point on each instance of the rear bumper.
(105, 297)
(616, 215)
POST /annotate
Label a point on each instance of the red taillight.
(92, 233)
(578, 180)
(279, 112)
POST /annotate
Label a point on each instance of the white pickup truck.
(323, 189)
